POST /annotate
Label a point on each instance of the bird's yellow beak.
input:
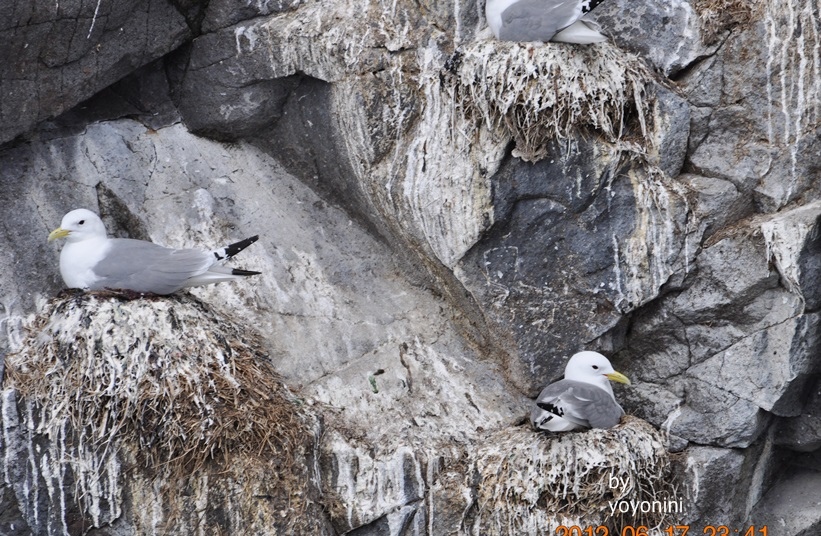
(58, 233)
(618, 377)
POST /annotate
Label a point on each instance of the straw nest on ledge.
(168, 389)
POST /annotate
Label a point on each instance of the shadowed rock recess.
(444, 220)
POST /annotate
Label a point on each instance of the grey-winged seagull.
(583, 399)
(92, 261)
(543, 20)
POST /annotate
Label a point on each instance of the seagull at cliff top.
(543, 20)
(92, 261)
(583, 399)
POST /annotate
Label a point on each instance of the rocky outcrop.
(446, 218)
(56, 55)
(159, 414)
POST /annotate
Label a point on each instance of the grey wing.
(580, 403)
(538, 20)
(145, 267)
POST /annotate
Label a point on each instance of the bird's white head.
(592, 367)
(77, 225)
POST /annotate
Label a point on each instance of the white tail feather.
(581, 33)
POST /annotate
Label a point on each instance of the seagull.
(92, 261)
(583, 399)
(543, 20)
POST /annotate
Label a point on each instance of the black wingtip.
(238, 271)
(550, 408)
(233, 249)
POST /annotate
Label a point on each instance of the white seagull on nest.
(543, 20)
(92, 261)
(583, 399)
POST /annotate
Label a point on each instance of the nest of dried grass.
(541, 93)
(532, 482)
(164, 383)
(168, 375)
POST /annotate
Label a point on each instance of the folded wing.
(146, 267)
(538, 20)
(579, 403)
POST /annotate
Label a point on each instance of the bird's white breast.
(77, 261)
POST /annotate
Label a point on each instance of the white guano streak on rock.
(693, 467)
(432, 471)
(377, 485)
(616, 285)
(32, 465)
(446, 193)
(150, 518)
(445, 189)
(52, 488)
(784, 236)
(12, 448)
(760, 473)
(61, 478)
(798, 86)
(94, 19)
(648, 255)
(247, 104)
(201, 490)
(352, 120)
(457, 16)
(314, 41)
(667, 425)
(690, 27)
(249, 33)
(12, 324)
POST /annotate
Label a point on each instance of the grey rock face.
(672, 118)
(717, 202)
(756, 122)
(334, 301)
(313, 150)
(792, 506)
(746, 474)
(734, 339)
(11, 520)
(446, 218)
(677, 31)
(56, 55)
(713, 464)
(803, 432)
(221, 13)
(566, 260)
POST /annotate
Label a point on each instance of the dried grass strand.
(541, 93)
(165, 382)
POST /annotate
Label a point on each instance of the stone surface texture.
(57, 54)
(444, 220)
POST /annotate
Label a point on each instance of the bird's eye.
(595, 367)
(82, 222)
